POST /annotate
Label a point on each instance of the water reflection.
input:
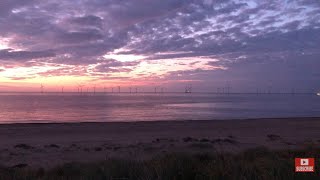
(66, 107)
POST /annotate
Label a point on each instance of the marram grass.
(258, 164)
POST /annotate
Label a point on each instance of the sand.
(48, 145)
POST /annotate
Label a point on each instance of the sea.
(130, 107)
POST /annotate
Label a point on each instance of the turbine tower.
(228, 88)
(188, 88)
(94, 89)
(80, 87)
(41, 87)
(270, 87)
(293, 91)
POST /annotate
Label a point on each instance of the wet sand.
(48, 145)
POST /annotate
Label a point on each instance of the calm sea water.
(68, 107)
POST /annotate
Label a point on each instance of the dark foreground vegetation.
(259, 163)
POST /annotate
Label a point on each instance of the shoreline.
(48, 145)
(137, 121)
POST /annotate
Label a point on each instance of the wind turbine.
(228, 88)
(119, 89)
(41, 87)
(80, 87)
(188, 88)
(94, 89)
(293, 91)
(270, 87)
(62, 89)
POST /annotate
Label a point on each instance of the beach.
(51, 144)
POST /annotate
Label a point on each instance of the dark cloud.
(66, 71)
(127, 12)
(309, 2)
(115, 63)
(112, 65)
(90, 20)
(186, 73)
(292, 25)
(6, 6)
(175, 55)
(9, 54)
(21, 78)
(75, 37)
(103, 70)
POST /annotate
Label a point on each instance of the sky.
(270, 45)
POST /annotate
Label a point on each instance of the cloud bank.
(237, 41)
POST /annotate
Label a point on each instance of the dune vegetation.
(259, 163)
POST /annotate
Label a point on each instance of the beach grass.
(258, 163)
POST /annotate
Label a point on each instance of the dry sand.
(47, 145)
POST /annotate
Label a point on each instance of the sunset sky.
(160, 43)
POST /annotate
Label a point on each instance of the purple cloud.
(9, 54)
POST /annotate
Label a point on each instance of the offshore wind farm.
(156, 102)
(96, 105)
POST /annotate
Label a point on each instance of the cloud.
(66, 71)
(89, 20)
(6, 6)
(9, 54)
(21, 78)
(112, 65)
(75, 37)
(240, 34)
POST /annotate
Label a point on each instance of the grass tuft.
(258, 163)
